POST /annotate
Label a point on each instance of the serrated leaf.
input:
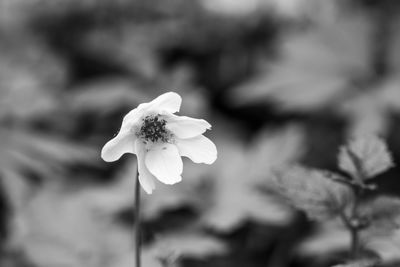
(364, 157)
(311, 191)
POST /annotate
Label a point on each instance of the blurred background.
(281, 81)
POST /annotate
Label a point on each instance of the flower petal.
(169, 102)
(164, 162)
(136, 114)
(166, 103)
(123, 143)
(199, 149)
(146, 179)
(186, 127)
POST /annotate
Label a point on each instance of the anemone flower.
(159, 138)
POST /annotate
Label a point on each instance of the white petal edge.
(146, 179)
(123, 143)
(164, 162)
(135, 115)
(199, 149)
(186, 127)
(168, 102)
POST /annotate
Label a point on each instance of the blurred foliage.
(282, 82)
(324, 195)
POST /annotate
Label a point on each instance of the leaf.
(360, 263)
(44, 155)
(191, 193)
(53, 226)
(188, 244)
(383, 234)
(106, 95)
(311, 191)
(386, 246)
(390, 93)
(364, 157)
(30, 79)
(383, 214)
(367, 113)
(328, 238)
(316, 68)
(241, 172)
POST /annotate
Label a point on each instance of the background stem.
(355, 224)
(352, 223)
(137, 221)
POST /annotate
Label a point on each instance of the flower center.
(153, 129)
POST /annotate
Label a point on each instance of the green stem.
(355, 244)
(352, 223)
(355, 224)
(137, 221)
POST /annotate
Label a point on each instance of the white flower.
(159, 139)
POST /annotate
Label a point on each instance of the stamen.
(153, 129)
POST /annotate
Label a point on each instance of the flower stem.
(354, 244)
(137, 221)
